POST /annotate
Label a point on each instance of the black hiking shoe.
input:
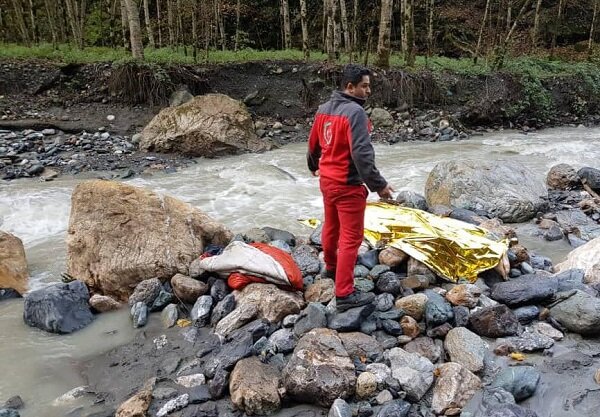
(356, 299)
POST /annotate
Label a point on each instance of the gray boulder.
(579, 313)
(527, 289)
(520, 381)
(591, 176)
(58, 308)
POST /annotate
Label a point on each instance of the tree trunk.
(287, 30)
(221, 23)
(345, 27)
(179, 25)
(385, 31)
(354, 48)
(430, 15)
(195, 30)
(536, 24)
(135, 32)
(485, 15)
(508, 15)
(148, 25)
(159, 23)
(557, 25)
(330, 31)
(76, 19)
(304, 23)
(51, 23)
(124, 25)
(409, 56)
(502, 53)
(337, 29)
(592, 28)
(403, 25)
(237, 25)
(34, 34)
(171, 23)
(18, 12)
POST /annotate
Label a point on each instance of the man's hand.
(315, 173)
(386, 193)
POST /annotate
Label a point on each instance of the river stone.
(315, 236)
(378, 270)
(120, 235)
(529, 341)
(254, 387)
(586, 258)
(256, 235)
(312, 317)
(340, 408)
(190, 381)
(307, 260)
(426, 347)
(146, 291)
(164, 298)
(351, 319)
(139, 314)
(322, 291)
(383, 397)
(465, 348)
(58, 308)
(591, 176)
(364, 284)
(546, 329)
(391, 256)
(418, 275)
(412, 200)
(278, 234)
(222, 309)
(9, 412)
(179, 97)
(510, 410)
(579, 313)
(461, 316)
(495, 321)
(527, 289)
(103, 304)
(369, 259)
(188, 289)
(562, 177)
(173, 405)
(219, 290)
(282, 341)
(413, 305)
(520, 381)
(242, 314)
(366, 385)
(201, 310)
(273, 303)
(169, 315)
(398, 408)
(527, 314)
(437, 310)
(13, 264)
(381, 118)
(504, 189)
(410, 327)
(464, 295)
(15, 402)
(384, 302)
(209, 125)
(390, 283)
(360, 345)
(319, 370)
(137, 405)
(413, 371)
(454, 387)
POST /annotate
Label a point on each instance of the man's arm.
(314, 148)
(363, 154)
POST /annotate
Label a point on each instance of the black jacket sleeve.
(363, 154)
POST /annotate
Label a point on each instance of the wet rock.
(366, 385)
(426, 347)
(199, 394)
(391, 327)
(282, 341)
(381, 118)
(412, 200)
(383, 397)
(413, 371)
(137, 405)
(190, 381)
(229, 354)
(360, 345)
(219, 290)
(496, 321)
(461, 316)
(278, 234)
(510, 410)
(525, 290)
(315, 236)
(13, 264)
(188, 289)
(384, 302)
(201, 310)
(254, 387)
(410, 327)
(398, 408)
(527, 314)
(527, 269)
(547, 330)
(591, 177)
(163, 299)
(169, 315)
(307, 260)
(390, 283)
(512, 192)
(146, 291)
(312, 317)
(586, 258)
(437, 310)
(440, 331)
(553, 233)
(378, 270)
(15, 402)
(413, 305)
(58, 308)
(562, 177)
(464, 295)
(369, 259)
(418, 275)
(364, 284)
(139, 314)
(579, 313)
(173, 405)
(103, 304)
(241, 315)
(466, 348)
(196, 271)
(381, 371)
(570, 361)
(349, 320)
(340, 408)
(454, 387)
(391, 256)
(319, 370)
(520, 381)
(164, 393)
(222, 309)
(218, 386)
(530, 341)
(322, 291)
(256, 235)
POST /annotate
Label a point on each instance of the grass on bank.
(529, 66)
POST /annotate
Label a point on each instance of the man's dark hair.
(353, 74)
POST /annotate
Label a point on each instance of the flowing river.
(272, 189)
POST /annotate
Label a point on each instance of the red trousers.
(343, 231)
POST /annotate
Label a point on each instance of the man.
(340, 153)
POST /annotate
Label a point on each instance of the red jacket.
(339, 145)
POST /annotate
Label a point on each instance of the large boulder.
(320, 369)
(13, 265)
(209, 125)
(58, 308)
(504, 189)
(120, 235)
(579, 313)
(273, 303)
(586, 258)
(562, 177)
(254, 387)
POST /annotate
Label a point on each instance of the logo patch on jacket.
(328, 132)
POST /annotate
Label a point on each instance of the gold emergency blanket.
(452, 248)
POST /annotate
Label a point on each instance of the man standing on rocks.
(340, 153)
